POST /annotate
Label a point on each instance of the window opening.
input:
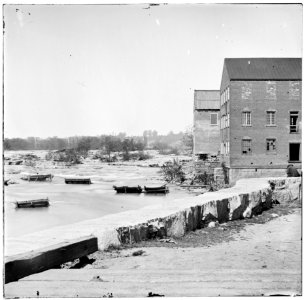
(294, 152)
(271, 145)
(246, 118)
(246, 147)
(270, 118)
(294, 121)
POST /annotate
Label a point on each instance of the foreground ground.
(260, 256)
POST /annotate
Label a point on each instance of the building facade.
(261, 114)
(206, 112)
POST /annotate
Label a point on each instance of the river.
(73, 203)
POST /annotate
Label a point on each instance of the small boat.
(128, 189)
(37, 177)
(157, 189)
(33, 203)
(77, 180)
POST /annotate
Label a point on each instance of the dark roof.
(264, 68)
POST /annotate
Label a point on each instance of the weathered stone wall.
(235, 206)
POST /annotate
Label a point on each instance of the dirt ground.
(205, 237)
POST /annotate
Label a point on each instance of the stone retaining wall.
(242, 205)
(195, 217)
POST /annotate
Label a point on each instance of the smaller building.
(206, 113)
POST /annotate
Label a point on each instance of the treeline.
(110, 143)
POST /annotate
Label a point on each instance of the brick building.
(261, 113)
(206, 113)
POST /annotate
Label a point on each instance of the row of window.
(225, 96)
(246, 120)
(246, 146)
(271, 148)
(270, 119)
(224, 148)
(225, 121)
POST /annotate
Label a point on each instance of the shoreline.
(174, 219)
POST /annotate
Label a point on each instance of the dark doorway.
(294, 152)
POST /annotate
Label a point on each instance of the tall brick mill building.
(261, 114)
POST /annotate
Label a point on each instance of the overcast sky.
(95, 69)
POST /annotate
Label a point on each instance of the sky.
(104, 69)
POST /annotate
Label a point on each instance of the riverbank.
(258, 259)
(249, 197)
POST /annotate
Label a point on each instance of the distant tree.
(160, 146)
(83, 146)
(121, 135)
(6, 144)
(112, 144)
(188, 139)
(145, 138)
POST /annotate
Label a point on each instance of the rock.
(247, 213)
(274, 215)
(138, 253)
(168, 241)
(213, 224)
(208, 218)
(176, 224)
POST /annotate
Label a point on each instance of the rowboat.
(37, 177)
(156, 189)
(77, 180)
(128, 189)
(33, 203)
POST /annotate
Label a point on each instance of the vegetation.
(111, 143)
(204, 178)
(172, 171)
(67, 155)
(187, 139)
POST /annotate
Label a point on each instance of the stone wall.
(234, 206)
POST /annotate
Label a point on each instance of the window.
(294, 152)
(246, 147)
(270, 118)
(246, 118)
(214, 119)
(271, 145)
(294, 115)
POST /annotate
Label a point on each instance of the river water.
(74, 203)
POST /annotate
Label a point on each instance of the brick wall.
(206, 136)
(258, 97)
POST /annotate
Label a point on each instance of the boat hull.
(156, 190)
(127, 189)
(37, 177)
(77, 181)
(33, 203)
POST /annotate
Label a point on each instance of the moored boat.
(77, 180)
(37, 177)
(128, 189)
(157, 189)
(33, 203)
